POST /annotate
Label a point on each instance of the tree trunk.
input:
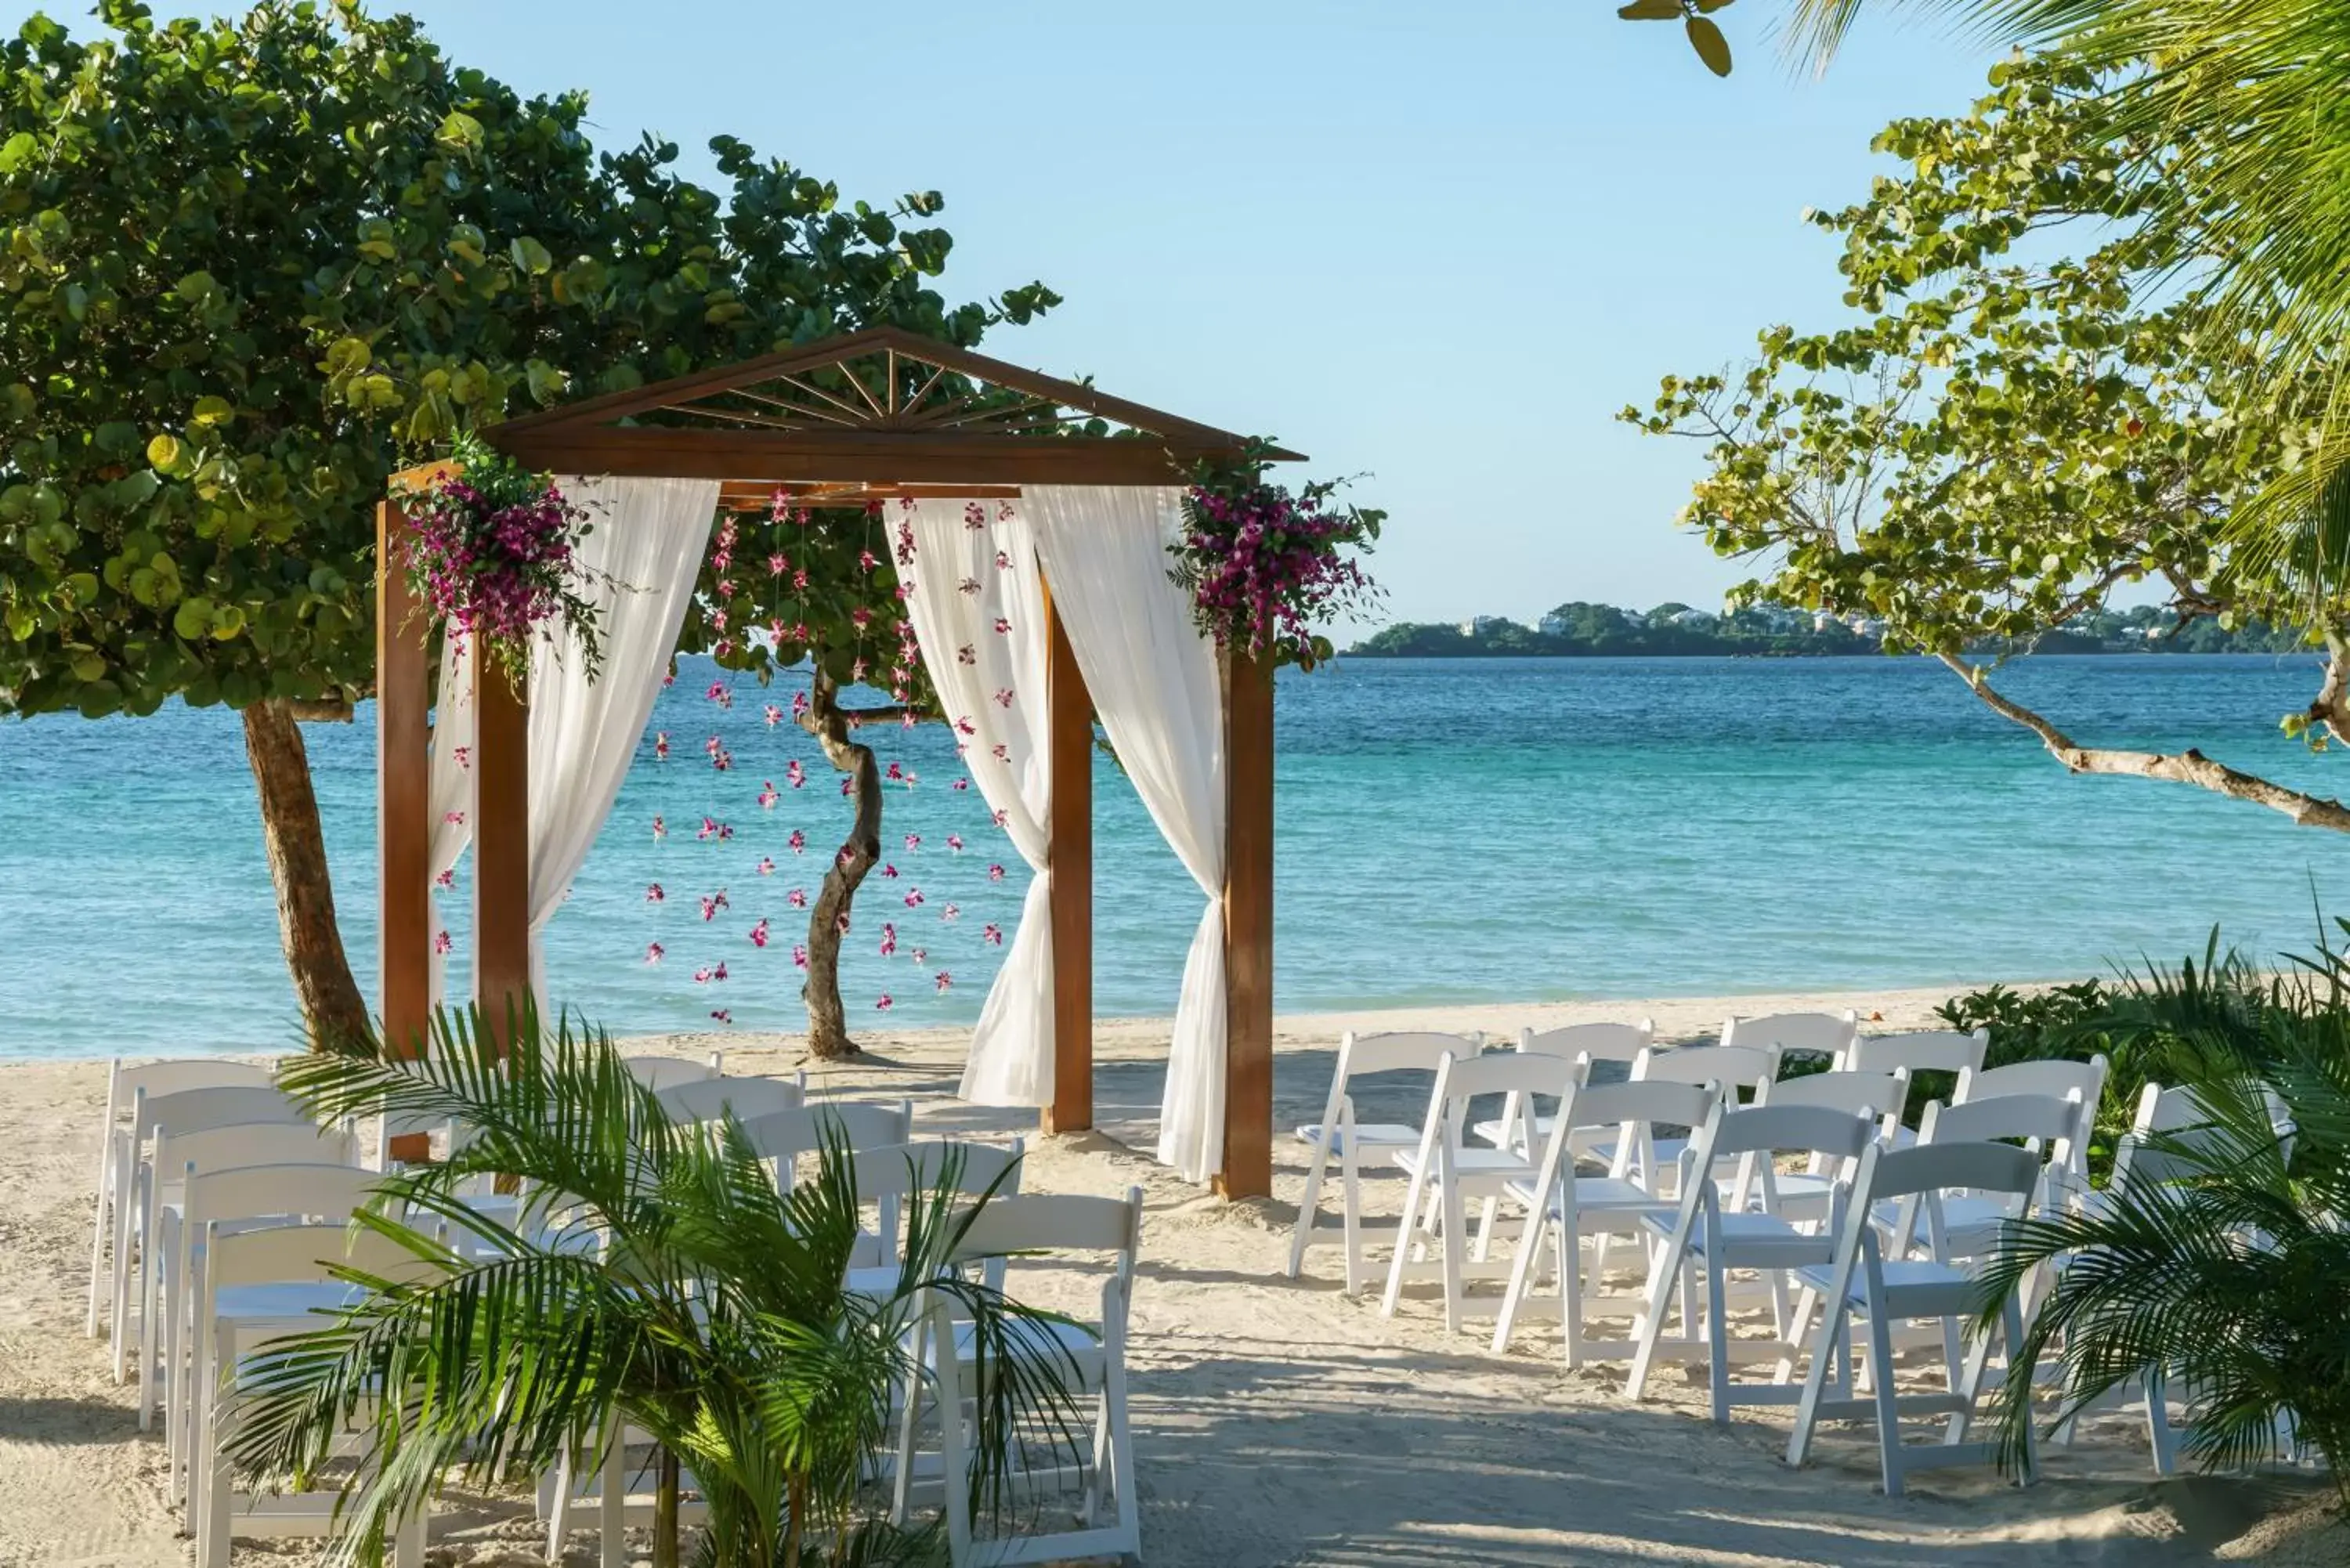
(829, 1038)
(665, 1482)
(332, 1009)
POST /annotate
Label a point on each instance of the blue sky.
(1438, 245)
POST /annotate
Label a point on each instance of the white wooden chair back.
(662, 1071)
(1828, 1034)
(1599, 1042)
(783, 1137)
(259, 1143)
(1734, 1067)
(710, 1098)
(2047, 1125)
(125, 1079)
(1921, 1051)
(1045, 1223)
(199, 1110)
(1854, 1093)
(1635, 1111)
(2058, 1078)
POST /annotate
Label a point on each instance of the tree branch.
(2331, 707)
(2189, 766)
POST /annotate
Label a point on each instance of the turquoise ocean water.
(1465, 830)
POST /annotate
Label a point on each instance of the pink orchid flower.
(774, 714)
(796, 898)
(653, 952)
(954, 842)
(722, 1015)
(768, 796)
(944, 980)
(882, 1004)
(798, 841)
(441, 944)
(799, 955)
(766, 865)
(950, 912)
(995, 873)
(653, 895)
(660, 744)
(795, 774)
(759, 933)
(992, 934)
(960, 784)
(913, 898)
(660, 828)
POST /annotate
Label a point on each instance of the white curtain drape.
(452, 786)
(1158, 691)
(645, 547)
(993, 683)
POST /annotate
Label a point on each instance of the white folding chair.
(1563, 1207)
(713, 1098)
(664, 1072)
(1092, 1358)
(176, 1111)
(2051, 1077)
(1354, 1143)
(1827, 1034)
(1585, 1041)
(1447, 1172)
(1907, 1280)
(1706, 1237)
(208, 1148)
(115, 1151)
(260, 1284)
(234, 1197)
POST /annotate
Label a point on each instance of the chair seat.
(1482, 1165)
(1754, 1240)
(1914, 1287)
(1601, 1194)
(1373, 1135)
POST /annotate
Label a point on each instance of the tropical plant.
(250, 267)
(1998, 446)
(2230, 1277)
(653, 1274)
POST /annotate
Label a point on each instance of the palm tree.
(2230, 1276)
(647, 1273)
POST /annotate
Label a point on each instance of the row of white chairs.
(1747, 1059)
(1714, 1202)
(226, 1208)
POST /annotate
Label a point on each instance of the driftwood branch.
(2331, 707)
(2190, 766)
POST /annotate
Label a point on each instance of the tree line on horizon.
(1582, 629)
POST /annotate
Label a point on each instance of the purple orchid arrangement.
(1265, 568)
(492, 553)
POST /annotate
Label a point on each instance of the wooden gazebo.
(873, 414)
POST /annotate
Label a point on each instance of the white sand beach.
(1278, 1422)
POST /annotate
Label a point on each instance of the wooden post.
(1069, 728)
(1248, 928)
(501, 823)
(402, 798)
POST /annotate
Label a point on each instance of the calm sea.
(1449, 830)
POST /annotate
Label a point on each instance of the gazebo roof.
(879, 411)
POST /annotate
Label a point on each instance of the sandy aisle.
(1278, 1422)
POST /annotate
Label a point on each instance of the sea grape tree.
(250, 267)
(2011, 433)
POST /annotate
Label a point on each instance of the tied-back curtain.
(450, 789)
(991, 686)
(1158, 690)
(644, 548)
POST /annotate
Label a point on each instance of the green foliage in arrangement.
(2219, 1259)
(247, 268)
(2000, 440)
(654, 1272)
